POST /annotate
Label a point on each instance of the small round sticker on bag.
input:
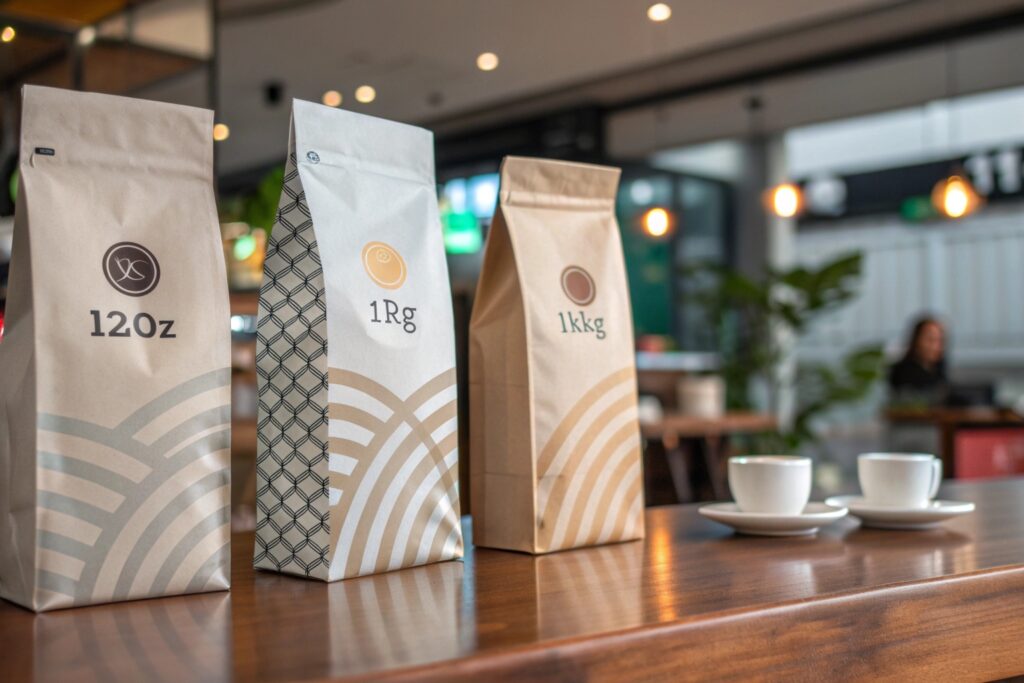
(384, 265)
(131, 269)
(578, 286)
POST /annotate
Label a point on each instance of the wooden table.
(683, 438)
(692, 601)
(951, 420)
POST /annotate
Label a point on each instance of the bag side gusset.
(293, 512)
(500, 403)
(17, 424)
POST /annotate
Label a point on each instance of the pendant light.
(954, 196)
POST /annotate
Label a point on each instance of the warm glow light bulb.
(366, 94)
(7, 35)
(332, 98)
(656, 222)
(659, 12)
(786, 200)
(955, 202)
(221, 132)
(487, 61)
(87, 36)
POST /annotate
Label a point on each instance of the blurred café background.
(821, 207)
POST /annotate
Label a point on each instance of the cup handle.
(936, 478)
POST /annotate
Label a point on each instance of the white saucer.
(815, 515)
(902, 518)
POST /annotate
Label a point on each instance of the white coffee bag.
(357, 458)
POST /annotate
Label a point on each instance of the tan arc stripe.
(589, 536)
(423, 518)
(580, 448)
(420, 434)
(583, 488)
(378, 391)
(357, 416)
(336, 444)
(362, 453)
(588, 399)
(444, 530)
(341, 510)
(395, 515)
(632, 502)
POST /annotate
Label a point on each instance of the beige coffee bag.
(115, 363)
(554, 439)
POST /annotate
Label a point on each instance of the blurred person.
(920, 376)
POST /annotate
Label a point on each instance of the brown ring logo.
(131, 269)
(578, 285)
(384, 265)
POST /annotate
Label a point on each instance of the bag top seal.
(545, 182)
(83, 128)
(368, 143)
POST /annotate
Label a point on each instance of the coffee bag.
(357, 464)
(554, 437)
(115, 363)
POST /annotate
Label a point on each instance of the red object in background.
(986, 453)
(1, 324)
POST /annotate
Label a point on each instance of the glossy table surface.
(690, 601)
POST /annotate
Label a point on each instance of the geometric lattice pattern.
(292, 518)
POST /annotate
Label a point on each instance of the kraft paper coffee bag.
(554, 437)
(115, 362)
(357, 462)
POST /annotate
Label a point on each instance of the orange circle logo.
(384, 265)
(578, 285)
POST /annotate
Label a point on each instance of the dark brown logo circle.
(131, 269)
(578, 285)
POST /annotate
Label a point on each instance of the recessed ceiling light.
(332, 98)
(487, 61)
(221, 132)
(87, 36)
(7, 35)
(366, 94)
(659, 12)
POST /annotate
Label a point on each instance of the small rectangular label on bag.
(46, 151)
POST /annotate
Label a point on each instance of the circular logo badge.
(578, 285)
(131, 269)
(384, 265)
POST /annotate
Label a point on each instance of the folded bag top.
(555, 440)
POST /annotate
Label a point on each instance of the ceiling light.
(656, 222)
(366, 94)
(7, 35)
(87, 36)
(786, 200)
(954, 197)
(487, 61)
(332, 98)
(659, 12)
(221, 132)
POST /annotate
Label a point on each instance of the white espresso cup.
(770, 484)
(906, 480)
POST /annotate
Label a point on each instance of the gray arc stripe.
(149, 537)
(58, 583)
(197, 423)
(83, 470)
(73, 507)
(100, 435)
(219, 559)
(184, 391)
(64, 545)
(212, 442)
(140, 493)
(189, 541)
